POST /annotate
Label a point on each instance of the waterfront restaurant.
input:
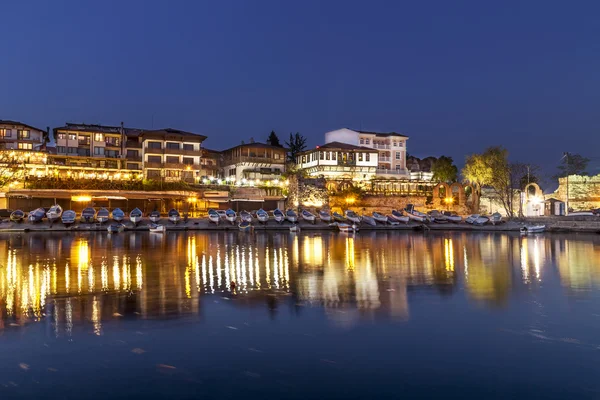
(338, 160)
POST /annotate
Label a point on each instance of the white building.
(19, 136)
(391, 148)
(253, 161)
(337, 160)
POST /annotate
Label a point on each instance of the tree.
(444, 170)
(11, 167)
(487, 169)
(296, 145)
(572, 164)
(273, 140)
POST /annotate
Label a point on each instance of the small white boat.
(36, 215)
(308, 216)
(54, 213)
(291, 216)
(88, 214)
(231, 216)
(102, 215)
(68, 217)
(496, 218)
(452, 217)
(245, 226)
(245, 216)
(174, 216)
(379, 217)
(294, 228)
(438, 217)
(278, 215)
(118, 214)
(414, 217)
(399, 217)
(222, 214)
(347, 228)
(338, 217)
(369, 220)
(262, 216)
(135, 216)
(17, 216)
(471, 218)
(532, 229)
(213, 216)
(324, 216)
(156, 228)
(481, 220)
(154, 216)
(352, 216)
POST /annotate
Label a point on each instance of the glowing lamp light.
(81, 198)
(219, 181)
(448, 200)
(205, 181)
(350, 200)
(244, 180)
(535, 200)
(211, 178)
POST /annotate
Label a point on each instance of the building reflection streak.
(524, 260)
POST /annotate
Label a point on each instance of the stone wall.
(309, 193)
(584, 192)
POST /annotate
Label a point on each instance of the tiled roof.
(256, 145)
(171, 131)
(381, 134)
(9, 122)
(345, 146)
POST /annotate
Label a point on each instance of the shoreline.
(203, 224)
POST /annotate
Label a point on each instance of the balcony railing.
(260, 160)
(382, 146)
(391, 172)
(148, 149)
(133, 145)
(171, 165)
(385, 159)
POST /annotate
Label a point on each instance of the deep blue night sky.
(454, 76)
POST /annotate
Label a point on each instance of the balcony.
(258, 160)
(110, 144)
(153, 165)
(83, 143)
(133, 158)
(385, 159)
(397, 173)
(382, 146)
(133, 145)
(195, 166)
(152, 150)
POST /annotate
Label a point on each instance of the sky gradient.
(454, 76)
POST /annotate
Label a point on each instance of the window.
(83, 152)
(189, 161)
(5, 133)
(153, 173)
(72, 150)
(113, 141)
(154, 145)
(367, 157)
(395, 144)
(133, 166)
(360, 156)
(367, 141)
(172, 173)
(173, 159)
(84, 140)
(398, 167)
(350, 157)
(23, 134)
(303, 159)
(333, 155)
(277, 156)
(154, 159)
(72, 136)
(61, 136)
(98, 137)
(61, 149)
(362, 141)
(99, 151)
(112, 153)
(173, 145)
(321, 155)
(398, 155)
(25, 146)
(188, 146)
(132, 154)
(400, 144)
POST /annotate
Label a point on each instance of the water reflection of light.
(524, 260)
(349, 253)
(536, 258)
(449, 255)
(96, 316)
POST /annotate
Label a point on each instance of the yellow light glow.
(192, 199)
(449, 200)
(350, 200)
(81, 198)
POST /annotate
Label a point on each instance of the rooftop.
(9, 122)
(255, 145)
(380, 134)
(131, 132)
(342, 146)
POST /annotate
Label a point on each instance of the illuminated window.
(367, 157)
(170, 173)
(61, 136)
(113, 141)
(72, 136)
(327, 155)
(23, 134)
(25, 146)
(5, 133)
(98, 137)
(303, 159)
(84, 140)
(276, 156)
(333, 155)
(360, 156)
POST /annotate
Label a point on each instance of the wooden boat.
(496, 218)
(324, 216)
(231, 216)
(222, 214)
(379, 217)
(532, 229)
(352, 216)
(452, 217)
(308, 216)
(438, 217)
(114, 228)
(68, 217)
(471, 218)
(154, 216)
(291, 216)
(393, 221)
(338, 217)
(399, 217)
(481, 220)
(135, 216)
(213, 216)
(118, 214)
(245, 226)
(245, 216)
(294, 228)
(581, 214)
(102, 215)
(174, 216)
(54, 213)
(369, 220)
(278, 215)
(88, 214)
(262, 216)
(36, 215)
(156, 228)
(17, 216)
(347, 228)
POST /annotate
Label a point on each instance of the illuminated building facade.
(253, 162)
(19, 136)
(338, 160)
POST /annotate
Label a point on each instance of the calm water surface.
(380, 315)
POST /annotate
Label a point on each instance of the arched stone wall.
(531, 190)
